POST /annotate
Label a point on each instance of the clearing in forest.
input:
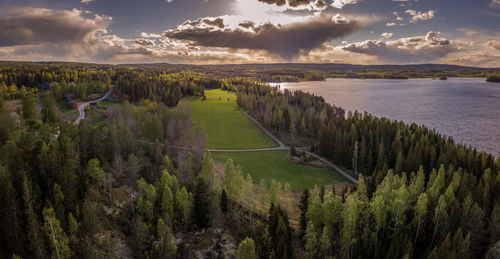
(269, 165)
(224, 123)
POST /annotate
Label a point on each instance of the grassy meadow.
(224, 123)
(270, 165)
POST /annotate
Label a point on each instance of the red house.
(117, 95)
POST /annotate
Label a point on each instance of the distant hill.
(292, 72)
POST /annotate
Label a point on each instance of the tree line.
(360, 142)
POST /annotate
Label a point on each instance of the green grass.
(224, 123)
(270, 165)
(64, 108)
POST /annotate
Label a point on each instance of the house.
(43, 86)
(117, 95)
(70, 104)
(69, 96)
(68, 99)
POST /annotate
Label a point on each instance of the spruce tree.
(201, 205)
(223, 201)
(304, 204)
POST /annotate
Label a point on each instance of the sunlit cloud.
(418, 49)
(419, 16)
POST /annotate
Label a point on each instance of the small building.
(68, 100)
(70, 104)
(93, 104)
(117, 95)
(43, 86)
(69, 96)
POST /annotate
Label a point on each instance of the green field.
(224, 123)
(270, 165)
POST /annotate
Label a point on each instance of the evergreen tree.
(49, 114)
(2, 98)
(303, 206)
(223, 201)
(29, 108)
(35, 240)
(278, 233)
(201, 205)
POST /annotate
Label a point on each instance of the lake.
(467, 109)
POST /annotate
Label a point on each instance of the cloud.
(298, 4)
(475, 58)
(205, 23)
(494, 44)
(386, 35)
(495, 4)
(150, 35)
(341, 3)
(390, 24)
(406, 50)
(145, 42)
(26, 26)
(286, 41)
(86, 1)
(419, 16)
(398, 18)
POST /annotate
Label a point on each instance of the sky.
(461, 32)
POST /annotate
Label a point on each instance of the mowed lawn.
(271, 165)
(224, 123)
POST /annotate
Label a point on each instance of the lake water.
(467, 109)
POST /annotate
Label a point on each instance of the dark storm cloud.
(247, 24)
(26, 26)
(276, 2)
(286, 41)
(406, 50)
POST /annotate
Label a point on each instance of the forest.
(138, 182)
